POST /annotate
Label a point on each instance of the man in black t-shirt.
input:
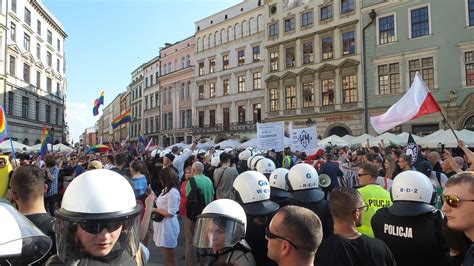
(28, 187)
(347, 246)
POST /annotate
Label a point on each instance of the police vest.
(375, 197)
(413, 240)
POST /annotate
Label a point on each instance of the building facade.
(312, 65)
(151, 98)
(136, 97)
(33, 73)
(125, 100)
(413, 36)
(176, 85)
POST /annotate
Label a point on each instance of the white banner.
(270, 136)
(304, 139)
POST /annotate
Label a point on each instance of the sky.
(108, 39)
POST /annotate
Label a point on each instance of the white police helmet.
(265, 166)
(94, 201)
(215, 161)
(155, 152)
(278, 183)
(253, 191)
(254, 160)
(303, 182)
(412, 193)
(245, 154)
(221, 225)
(164, 152)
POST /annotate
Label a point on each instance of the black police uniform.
(415, 239)
(321, 208)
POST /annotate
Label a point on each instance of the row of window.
(154, 100)
(136, 93)
(241, 111)
(26, 111)
(349, 93)
(168, 67)
(226, 62)
(257, 84)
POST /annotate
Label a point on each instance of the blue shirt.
(140, 185)
(53, 185)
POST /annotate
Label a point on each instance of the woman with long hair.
(182, 205)
(166, 231)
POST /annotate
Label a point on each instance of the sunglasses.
(453, 201)
(359, 175)
(364, 208)
(96, 228)
(271, 235)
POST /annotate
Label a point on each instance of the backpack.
(196, 202)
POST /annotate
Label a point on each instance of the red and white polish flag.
(417, 101)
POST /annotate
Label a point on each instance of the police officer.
(99, 222)
(220, 229)
(279, 186)
(412, 226)
(243, 157)
(253, 193)
(303, 183)
(265, 166)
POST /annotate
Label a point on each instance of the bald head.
(433, 157)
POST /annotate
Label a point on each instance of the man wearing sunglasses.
(348, 246)
(294, 235)
(458, 205)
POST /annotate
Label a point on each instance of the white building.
(151, 96)
(33, 82)
(136, 96)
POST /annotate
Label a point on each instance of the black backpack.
(196, 202)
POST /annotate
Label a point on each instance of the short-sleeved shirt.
(140, 185)
(375, 197)
(223, 182)
(54, 184)
(205, 184)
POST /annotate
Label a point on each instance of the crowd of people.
(340, 206)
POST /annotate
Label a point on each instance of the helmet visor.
(217, 232)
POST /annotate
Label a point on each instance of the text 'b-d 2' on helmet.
(278, 183)
(253, 190)
(303, 182)
(221, 225)
(412, 193)
(94, 199)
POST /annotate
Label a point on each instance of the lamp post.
(52, 139)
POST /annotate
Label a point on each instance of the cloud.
(79, 117)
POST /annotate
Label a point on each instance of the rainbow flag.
(45, 138)
(3, 125)
(97, 103)
(122, 119)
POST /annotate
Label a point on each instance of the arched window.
(253, 26)
(237, 31)
(188, 60)
(217, 38)
(259, 23)
(183, 62)
(211, 40)
(469, 124)
(245, 29)
(230, 33)
(205, 42)
(198, 46)
(223, 36)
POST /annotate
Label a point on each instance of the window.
(201, 92)
(201, 68)
(48, 85)
(420, 22)
(225, 62)
(290, 97)
(38, 51)
(226, 118)
(146, 102)
(348, 43)
(59, 45)
(328, 91)
(241, 114)
(290, 57)
(57, 89)
(274, 61)
(241, 84)
(273, 30)
(13, 31)
(58, 63)
(188, 118)
(57, 116)
(49, 59)
(50, 37)
(26, 73)
(226, 86)
(290, 24)
(257, 112)
(349, 88)
(326, 12)
(183, 62)
(25, 102)
(347, 6)
(38, 80)
(27, 16)
(151, 101)
(241, 57)
(13, 5)
(256, 53)
(307, 19)
(425, 67)
(469, 61)
(257, 81)
(470, 8)
(327, 48)
(146, 82)
(26, 42)
(212, 65)
(212, 90)
(201, 119)
(212, 118)
(157, 98)
(389, 78)
(37, 110)
(12, 65)
(38, 27)
(307, 52)
(308, 94)
(11, 102)
(386, 29)
(48, 114)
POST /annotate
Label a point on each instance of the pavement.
(156, 257)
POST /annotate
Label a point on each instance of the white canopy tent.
(62, 147)
(180, 145)
(387, 138)
(359, 140)
(405, 135)
(230, 143)
(447, 138)
(334, 140)
(6, 146)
